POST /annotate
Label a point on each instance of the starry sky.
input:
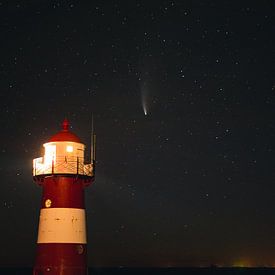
(182, 94)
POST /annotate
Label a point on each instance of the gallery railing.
(62, 165)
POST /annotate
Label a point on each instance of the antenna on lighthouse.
(93, 144)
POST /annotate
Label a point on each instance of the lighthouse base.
(61, 259)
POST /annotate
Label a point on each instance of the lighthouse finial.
(65, 125)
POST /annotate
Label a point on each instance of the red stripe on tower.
(63, 175)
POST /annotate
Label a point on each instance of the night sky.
(183, 97)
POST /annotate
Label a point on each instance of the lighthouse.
(63, 175)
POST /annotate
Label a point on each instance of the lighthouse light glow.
(70, 148)
(50, 154)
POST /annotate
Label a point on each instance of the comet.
(144, 107)
(144, 99)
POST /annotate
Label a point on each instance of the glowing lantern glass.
(50, 154)
(70, 148)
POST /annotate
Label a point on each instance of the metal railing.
(62, 165)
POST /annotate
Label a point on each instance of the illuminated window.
(69, 148)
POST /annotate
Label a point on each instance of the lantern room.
(63, 154)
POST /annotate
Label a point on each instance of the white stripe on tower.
(62, 225)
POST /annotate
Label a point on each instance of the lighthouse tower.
(63, 175)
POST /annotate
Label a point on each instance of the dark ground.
(158, 271)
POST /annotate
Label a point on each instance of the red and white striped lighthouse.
(63, 175)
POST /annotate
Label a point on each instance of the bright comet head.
(144, 108)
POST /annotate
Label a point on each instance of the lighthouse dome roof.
(65, 134)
